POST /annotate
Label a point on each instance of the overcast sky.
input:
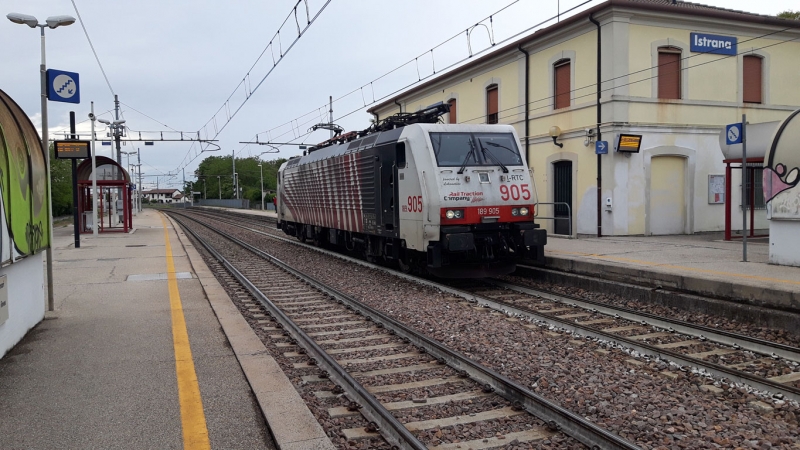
(178, 61)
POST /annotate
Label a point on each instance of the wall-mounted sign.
(72, 149)
(711, 43)
(63, 86)
(716, 189)
(629, 143)
(601, 147)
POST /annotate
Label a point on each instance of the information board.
(72, 149)
(629, 143)
(716, 189)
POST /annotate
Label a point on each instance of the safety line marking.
(672, 266)
(193, 420)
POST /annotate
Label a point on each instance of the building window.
(669, 73)
(452, 103)
(751, 79)
(491, 104)
(562, 86)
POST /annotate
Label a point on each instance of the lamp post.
(261, 169)
(219, 184)
(50, 22)
(128, 166)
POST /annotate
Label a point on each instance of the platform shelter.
(114, 201)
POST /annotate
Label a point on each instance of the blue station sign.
(63, 86)
(712, 43)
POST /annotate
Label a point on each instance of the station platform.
(702, 264)
(145, 350)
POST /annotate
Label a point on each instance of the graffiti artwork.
(24, 224)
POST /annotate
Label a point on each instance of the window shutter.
(752, 79)
(562, 87)
(491, 104)
(669, 75)
(452, 104)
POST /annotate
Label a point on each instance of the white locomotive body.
(456, 200)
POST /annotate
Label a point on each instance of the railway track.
(763, 365)
(413, 391)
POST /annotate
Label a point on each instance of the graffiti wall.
(23, 185)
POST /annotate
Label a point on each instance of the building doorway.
(668, 195)
(562, 196)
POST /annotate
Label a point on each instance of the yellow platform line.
(193, 420)
(672, 266)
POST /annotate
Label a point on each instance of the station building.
(672, 72)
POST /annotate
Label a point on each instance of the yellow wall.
(711, 99)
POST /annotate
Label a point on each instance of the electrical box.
(3, 299)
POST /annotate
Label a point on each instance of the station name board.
(72, 149)
(712, 43)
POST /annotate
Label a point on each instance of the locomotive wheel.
(301, 234)
(319, 239)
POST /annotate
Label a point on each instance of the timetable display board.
(629, 143)
(72, 149)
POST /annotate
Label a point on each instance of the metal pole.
(115, 130)
(744, 187)
(235, 187)
(184, 188)
(330, 100)
(94, 180)
(219, 185)
(139, 190)
(46, 148)
(261, 169)
(75, 215)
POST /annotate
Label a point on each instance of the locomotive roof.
(384, 137)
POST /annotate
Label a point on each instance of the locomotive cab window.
(400, 155)
(475, 149)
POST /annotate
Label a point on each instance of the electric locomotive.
(453, 200)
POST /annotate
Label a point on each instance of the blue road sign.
(106, 142)
(63, 86)
(601, 147)
(733, 134)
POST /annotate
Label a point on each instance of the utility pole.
(116, 132)
(235, 184)
(139, 190)
(219, 185)
(184, 188)
(330, 102)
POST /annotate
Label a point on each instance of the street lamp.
(261, 169)
(117, 130)
(51, 22)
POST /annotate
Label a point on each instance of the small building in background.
(163, 196)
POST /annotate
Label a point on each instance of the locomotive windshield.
(475, 149)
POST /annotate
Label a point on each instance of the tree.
(61, 184)
(789, 14)
(249, 177)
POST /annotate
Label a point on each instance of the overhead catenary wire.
(414, 60)
(245, 80)
(80, 20)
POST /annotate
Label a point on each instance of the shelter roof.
(105, 170)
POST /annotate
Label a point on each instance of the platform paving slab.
(99, 371)
(703, 264)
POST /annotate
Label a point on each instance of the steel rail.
(650, 351)
(718, 336)
(570, 423)
(391, 428)
(700, 331)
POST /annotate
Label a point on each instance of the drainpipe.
(599, 118)
(527, 120)
(399, 106)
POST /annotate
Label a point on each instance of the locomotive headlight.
(459, 213)
(515, 211)
(450, 214)
(523, 211)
